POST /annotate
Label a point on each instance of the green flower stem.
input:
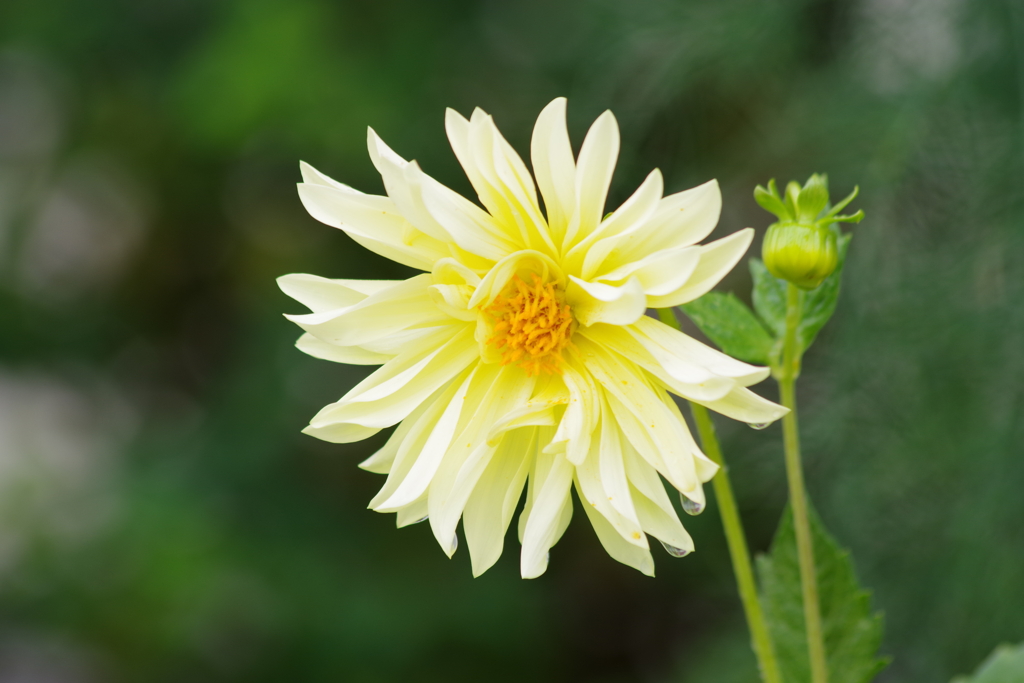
(786, 377)
(738, 551)
(760, 638)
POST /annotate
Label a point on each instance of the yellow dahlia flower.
(522, 355)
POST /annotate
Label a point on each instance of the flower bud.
(802, 254)
(801, 247)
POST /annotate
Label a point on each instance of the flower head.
(801, 247)
(522, 356)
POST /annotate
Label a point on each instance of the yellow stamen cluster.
(532, 326)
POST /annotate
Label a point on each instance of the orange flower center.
(532, 326)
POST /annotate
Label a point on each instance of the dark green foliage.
(852, 633)
(769, 298)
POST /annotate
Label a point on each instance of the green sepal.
(1004, 665)
(852, 632)
(732, 326)
(769, 200)
(813, 198)
(792, 197)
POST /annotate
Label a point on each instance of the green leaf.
(1005, 665)
(731, 326)
(769, 297)
(820, 302)
(852, 632)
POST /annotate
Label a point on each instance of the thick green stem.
(760, 638)
(786, 376)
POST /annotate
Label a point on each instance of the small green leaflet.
(1005, 665)
(770, 297)
(852, 632)
(732, 326)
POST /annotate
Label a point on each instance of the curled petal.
(595, 302)
(716, 260)
(550, 484)
(660, 273)
(353, 355)
(746, 406)
(321, 294)
(388, 395)
(681, 220)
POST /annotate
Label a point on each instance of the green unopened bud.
(802, 254)
(801, 247)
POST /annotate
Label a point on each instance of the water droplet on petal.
(759, 425)
(691, 507)
(674, 551)
(455, 544)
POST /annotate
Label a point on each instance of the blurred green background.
(161, 516)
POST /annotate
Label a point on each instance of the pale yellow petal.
(352, 355)
(580, 418)
(617, 547)
(374, 222)
(669, 346)
(523, 263)
(672, 371)
(654, 431)
(403, 306)
(681, 220)
(406, 444)
(493, 501)
(406, 195)
(413, 513)
(470, 451)
(550, 483)
(746, 406)
(604, 487)
(594, 170)
(321, 294)
(554, 166)
(470, 227)
(432, 452)
(550, 395)
(659, 273)
(589, 253)
(716, 260)
(508, 189)
(595, 302)
(393, 391)
(661, 522)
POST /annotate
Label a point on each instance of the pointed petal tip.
(556, 105)
(452, 115)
